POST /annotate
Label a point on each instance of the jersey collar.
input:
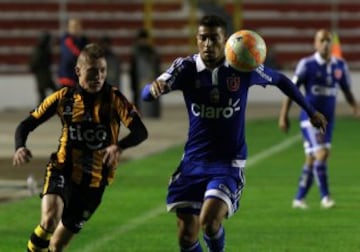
(321, 61)
(200, 65)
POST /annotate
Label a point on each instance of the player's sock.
(320, 172)
(193, 248)
(39, 240)
(305, 182)
(216, 242)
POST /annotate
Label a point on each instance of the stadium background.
(287, 26)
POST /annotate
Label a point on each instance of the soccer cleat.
(300, 204)
(327, 202)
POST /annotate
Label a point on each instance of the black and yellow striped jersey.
(90, 122)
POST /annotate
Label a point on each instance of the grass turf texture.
(132, 217)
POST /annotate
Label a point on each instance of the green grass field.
(132, 217)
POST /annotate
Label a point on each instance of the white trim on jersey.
(312, 132)
(307, 123)
(221, 195)
(183, 204)
(240, 163)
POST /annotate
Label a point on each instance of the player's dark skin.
(211, 44)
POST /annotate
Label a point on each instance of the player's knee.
(49, 223)
(210, 225)
(212, 214)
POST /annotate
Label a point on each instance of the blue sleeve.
(146, 94)
(288, 88)
(300, 72)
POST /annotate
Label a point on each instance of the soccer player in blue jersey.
(208, 183)
(321, 75)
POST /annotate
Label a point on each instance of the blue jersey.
(70, 48)
(321, 82)
(216, 103)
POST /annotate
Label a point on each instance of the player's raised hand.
(319, 121)
(158, 87)
(22, 155)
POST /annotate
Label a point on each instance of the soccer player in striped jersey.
(208, 183)
(87, 156)
(321, 75)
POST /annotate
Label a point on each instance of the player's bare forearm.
(284, 122)
(350, 98)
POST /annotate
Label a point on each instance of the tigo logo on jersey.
(203, 111)
(93, 136)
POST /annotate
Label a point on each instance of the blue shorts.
(192, 183)
(314, 139)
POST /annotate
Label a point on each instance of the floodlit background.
(287, 26)
(138, 221)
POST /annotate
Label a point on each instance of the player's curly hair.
(212, 20)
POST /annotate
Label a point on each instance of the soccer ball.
(245, 50)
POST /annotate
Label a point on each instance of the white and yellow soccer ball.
(245, 50)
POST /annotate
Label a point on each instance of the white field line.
(273, 150)
(132, 224)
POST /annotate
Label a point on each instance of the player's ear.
(77, 70)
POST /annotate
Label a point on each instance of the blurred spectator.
(71, 43)
(113, 62)
(144, 67)
(40, 65)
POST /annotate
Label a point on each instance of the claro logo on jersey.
(87, 135)
(324, 91)
(203, 111)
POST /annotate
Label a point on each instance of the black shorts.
(80, 201)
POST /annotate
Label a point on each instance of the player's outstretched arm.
(154, 90)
